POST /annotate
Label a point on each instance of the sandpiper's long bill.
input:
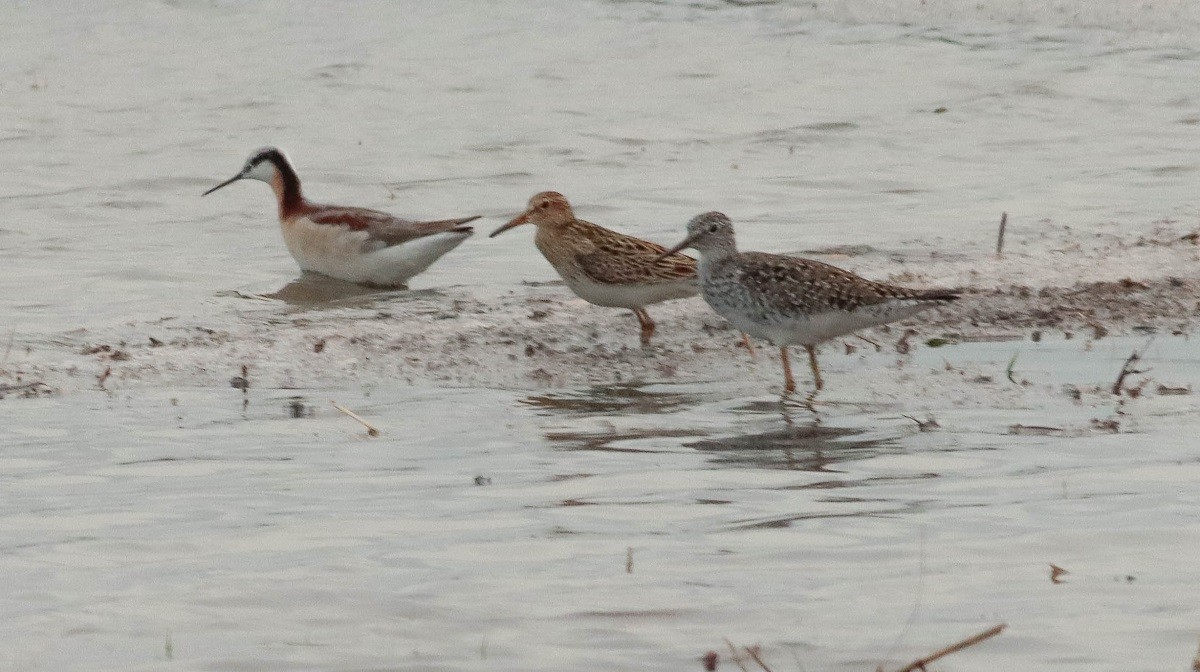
(604, 267)
(358, 245)
(792, 301)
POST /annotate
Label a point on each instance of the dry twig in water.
(12, 335)
(733, 653)
(1000, 236)
(920, 663)
(1126, 370)
(1056, 573)
(371, 429)
(753, 651)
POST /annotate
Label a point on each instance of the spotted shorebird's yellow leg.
(647, 325)
(789, 383)
(812, 361)
(749, 347)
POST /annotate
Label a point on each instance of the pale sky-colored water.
(809, 128)
(256, 541)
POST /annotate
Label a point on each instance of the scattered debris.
(1008, 370)
(629, 560)
(1000, 235)
(1035, 430)
(754, 652)
(1164, 390)
(371, 429)
(297, 408)
(483, 480)
(711, 659)
(26, 390)
(927, 425)
(103, 377)
(241, 382)
(107, 352)
(1056, 573)
(876, 344)
(1126, 370)
(922, 663)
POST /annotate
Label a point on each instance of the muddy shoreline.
(540, 335)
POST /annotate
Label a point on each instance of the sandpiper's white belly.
(751, 315)
(629, 296)
(339, 252)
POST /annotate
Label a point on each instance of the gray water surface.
(171, 521)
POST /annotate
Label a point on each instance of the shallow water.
(812, 127)
(177, 521)
(489, 529)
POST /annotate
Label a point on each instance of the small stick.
(1008, 371)
(1000, 237)
(920, 663)
(754, 654)
(371, 429)
(103, 377)
(878, 347)
(734, 654)
(629, 560)
(18, 388)
(1125, 371)
(12, 334)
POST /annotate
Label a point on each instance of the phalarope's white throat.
(358, 245)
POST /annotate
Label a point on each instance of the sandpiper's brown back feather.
(382, 227)
(791, 284)
(616, 258)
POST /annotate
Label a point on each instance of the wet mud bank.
(314, 334)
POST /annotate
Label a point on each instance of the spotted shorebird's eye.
(713, 228)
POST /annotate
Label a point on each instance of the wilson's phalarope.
(604, 267)
(792, 301)
(363, 246)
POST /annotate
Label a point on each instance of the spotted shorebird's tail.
(940, 295)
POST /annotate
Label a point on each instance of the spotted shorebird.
(602, 266)
(363, 246)
(792, 301)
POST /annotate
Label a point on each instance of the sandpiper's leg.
(812, 361)
(647, 325)
(749, 347)
(789, 383)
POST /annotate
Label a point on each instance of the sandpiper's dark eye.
(713, 228)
